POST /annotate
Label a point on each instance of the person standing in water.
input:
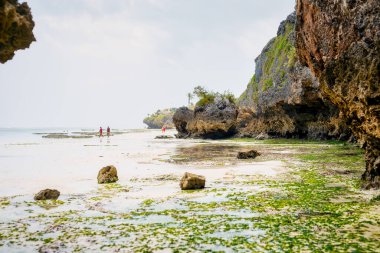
(108, 131)
(101, 132)
(163, 129)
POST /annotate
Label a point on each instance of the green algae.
(294, 212)
(4, 202)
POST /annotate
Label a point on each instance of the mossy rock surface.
(107, 175)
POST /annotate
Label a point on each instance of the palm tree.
(190, 96)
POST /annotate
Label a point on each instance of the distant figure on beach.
(108, 131)
(101, 132)
(163, 129)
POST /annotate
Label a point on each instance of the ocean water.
(29, 163)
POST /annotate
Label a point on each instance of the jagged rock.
(107, 174)
(47, 194)
(161, 118)
(181, 118)
(340, 42)
(283, 96)
(211, 121)
(252, 154)
(192, 182)
(16, 28)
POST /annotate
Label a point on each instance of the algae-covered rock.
(252, 154)
(47, 194)
(192, 182)
(107, 174)
(16, 28)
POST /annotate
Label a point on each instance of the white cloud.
(106, 37)
(113, 62)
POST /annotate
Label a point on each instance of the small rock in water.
(164, 137)
(252, 154)
(191, 181)
(107, 174)
(47, 194)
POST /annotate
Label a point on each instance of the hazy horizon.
(99, 63)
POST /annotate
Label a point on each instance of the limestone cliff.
(16, 28)
(283, 97)
(340, 42)
(161, 118)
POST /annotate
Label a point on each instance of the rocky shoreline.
(337, 98)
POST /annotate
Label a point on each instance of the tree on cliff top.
(206, 97)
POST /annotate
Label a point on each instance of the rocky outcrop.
(107, 175)
(181, 118)
(191, 181)
(213, 120)
(340, 42)
(283, 98)
(16, 28)
(47, 194)
(252, 154)
(161, 118)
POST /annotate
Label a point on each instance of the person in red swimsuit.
(108, 131)
(101, 132)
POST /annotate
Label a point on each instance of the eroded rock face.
(340, 42)
(191, 181)
(16, 28)
(181, 118)
(107, 175)
(211, 121)
(216, 120)
(47, 194)
(283, 96)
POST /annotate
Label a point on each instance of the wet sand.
(146, 210)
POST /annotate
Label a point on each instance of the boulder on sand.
(107, 174)
(252, 154)
(191, 181)
(47, 194)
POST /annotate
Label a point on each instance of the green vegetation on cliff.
(272, 67)
(254, 88)
(208, 97)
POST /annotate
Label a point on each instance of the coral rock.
(16, 28)
(340, 42)
(47, 194)
(252, 154)
(107, 174)
(192, 182)
(211, 121)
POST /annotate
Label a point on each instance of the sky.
(112, 62)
